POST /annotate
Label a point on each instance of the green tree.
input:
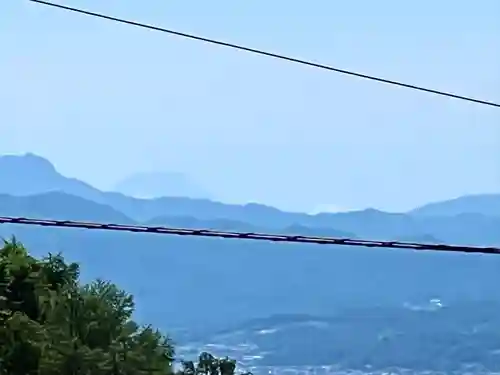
(210, 365)
(51, 324)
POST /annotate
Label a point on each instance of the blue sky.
(103, 100)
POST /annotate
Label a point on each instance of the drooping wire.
(270, 54)
(250, 236)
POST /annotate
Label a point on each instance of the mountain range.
(31, 175)
(210, 285)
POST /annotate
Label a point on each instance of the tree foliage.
(51, 324)
(210, 365)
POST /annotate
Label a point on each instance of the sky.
(103, 100)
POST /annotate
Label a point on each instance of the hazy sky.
(103, 100)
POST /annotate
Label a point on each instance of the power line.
(269, 54)
(249, 236)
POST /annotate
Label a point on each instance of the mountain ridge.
(21, 170)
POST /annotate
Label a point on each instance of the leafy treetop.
(51, 324)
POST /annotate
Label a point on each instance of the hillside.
(265, 278)
(423, 336)
(457, 337)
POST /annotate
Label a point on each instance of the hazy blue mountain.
(484, 204)
(160, 184)
(31, 174)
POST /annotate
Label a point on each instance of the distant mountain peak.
(27, 163)
(150, 185)
(30, 174)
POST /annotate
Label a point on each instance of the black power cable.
(269, 54)
(249, 236)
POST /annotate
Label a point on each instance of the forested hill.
(291, 278)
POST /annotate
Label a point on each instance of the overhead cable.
(269, 54)
(249, 236)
